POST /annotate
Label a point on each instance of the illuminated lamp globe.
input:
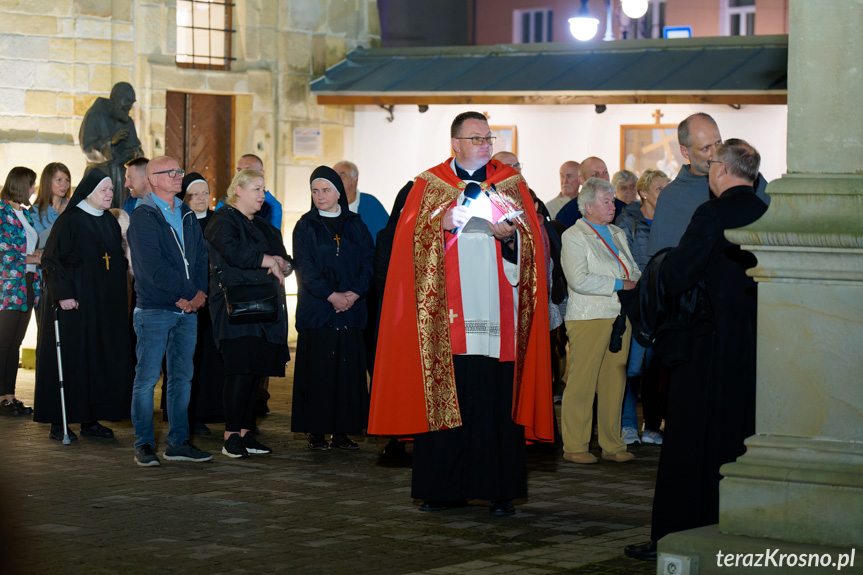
(634, 8)
(583, 27)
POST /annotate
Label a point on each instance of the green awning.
(726, 70)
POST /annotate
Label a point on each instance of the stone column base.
(794, 488)
(697, 552)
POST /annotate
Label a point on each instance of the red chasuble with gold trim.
(413, 390)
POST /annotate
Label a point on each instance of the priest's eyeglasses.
(172, 173)
(478, 140)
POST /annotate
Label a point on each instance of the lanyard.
(626, 271)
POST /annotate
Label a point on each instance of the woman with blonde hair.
(246, 251)
(635, 221)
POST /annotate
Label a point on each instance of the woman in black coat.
(333, 255)
(245, 249)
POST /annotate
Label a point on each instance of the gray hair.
(354, 170)
(622, 177)
(590, 189)
(740, 158)
(683, 136)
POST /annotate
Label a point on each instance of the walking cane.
(66, 440)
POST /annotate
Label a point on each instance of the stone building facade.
(58, 56)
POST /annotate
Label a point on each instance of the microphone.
(471, 192)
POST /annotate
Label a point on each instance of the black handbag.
(618, 328)
(252, 303)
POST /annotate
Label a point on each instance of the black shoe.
(318, 443)
(642, 551)
(57, 433)
(186, 452)
(234, 447)
(97, 430)
(395, 449)
(199, 428)
(503, 508)
(8, 408)
(22, 409)
(431, 506)
(344, 442)
(252, 445)
(145, 456)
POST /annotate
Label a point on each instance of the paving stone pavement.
(87, 508)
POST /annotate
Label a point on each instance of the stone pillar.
(799, 486)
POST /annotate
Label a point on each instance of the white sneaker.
(630, 435)
(652, 436)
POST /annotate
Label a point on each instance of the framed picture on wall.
(650, 146)
(507, 139)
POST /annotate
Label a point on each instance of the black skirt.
(485, 457)
(330, 385)
(255, 356)
(206, 401)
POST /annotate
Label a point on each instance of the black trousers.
(652, 399)
(240, 394)
(13, 326)
(485, 457)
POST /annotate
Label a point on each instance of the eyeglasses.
(711, 162)
(517, 166)
(478, 140)
(172, 173)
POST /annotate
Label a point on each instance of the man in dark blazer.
(711, 397)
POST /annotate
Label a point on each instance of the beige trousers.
(593, 370)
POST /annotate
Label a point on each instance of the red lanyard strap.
(626, 271)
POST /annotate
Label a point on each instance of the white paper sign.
(308, 143)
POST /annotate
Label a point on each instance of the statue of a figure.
(108, 137)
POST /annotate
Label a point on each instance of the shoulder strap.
(626, 271)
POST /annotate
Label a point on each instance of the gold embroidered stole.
(431, 300)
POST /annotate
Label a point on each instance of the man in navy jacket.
(170, 264)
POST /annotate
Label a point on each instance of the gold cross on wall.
(657, 114)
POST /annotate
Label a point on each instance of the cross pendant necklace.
(338, 243)
(107, 259)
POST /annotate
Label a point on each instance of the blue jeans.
(639, 357)
(163, 333)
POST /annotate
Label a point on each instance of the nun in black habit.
(333, 258)
(84, 269)
(205, 403)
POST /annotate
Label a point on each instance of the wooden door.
(199, 135)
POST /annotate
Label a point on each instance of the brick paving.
(87, 508)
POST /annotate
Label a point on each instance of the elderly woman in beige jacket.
(597, 263)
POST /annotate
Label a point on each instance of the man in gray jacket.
(698, 136)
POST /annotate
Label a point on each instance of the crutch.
(66, 440)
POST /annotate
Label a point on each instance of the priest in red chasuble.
(463, 356)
